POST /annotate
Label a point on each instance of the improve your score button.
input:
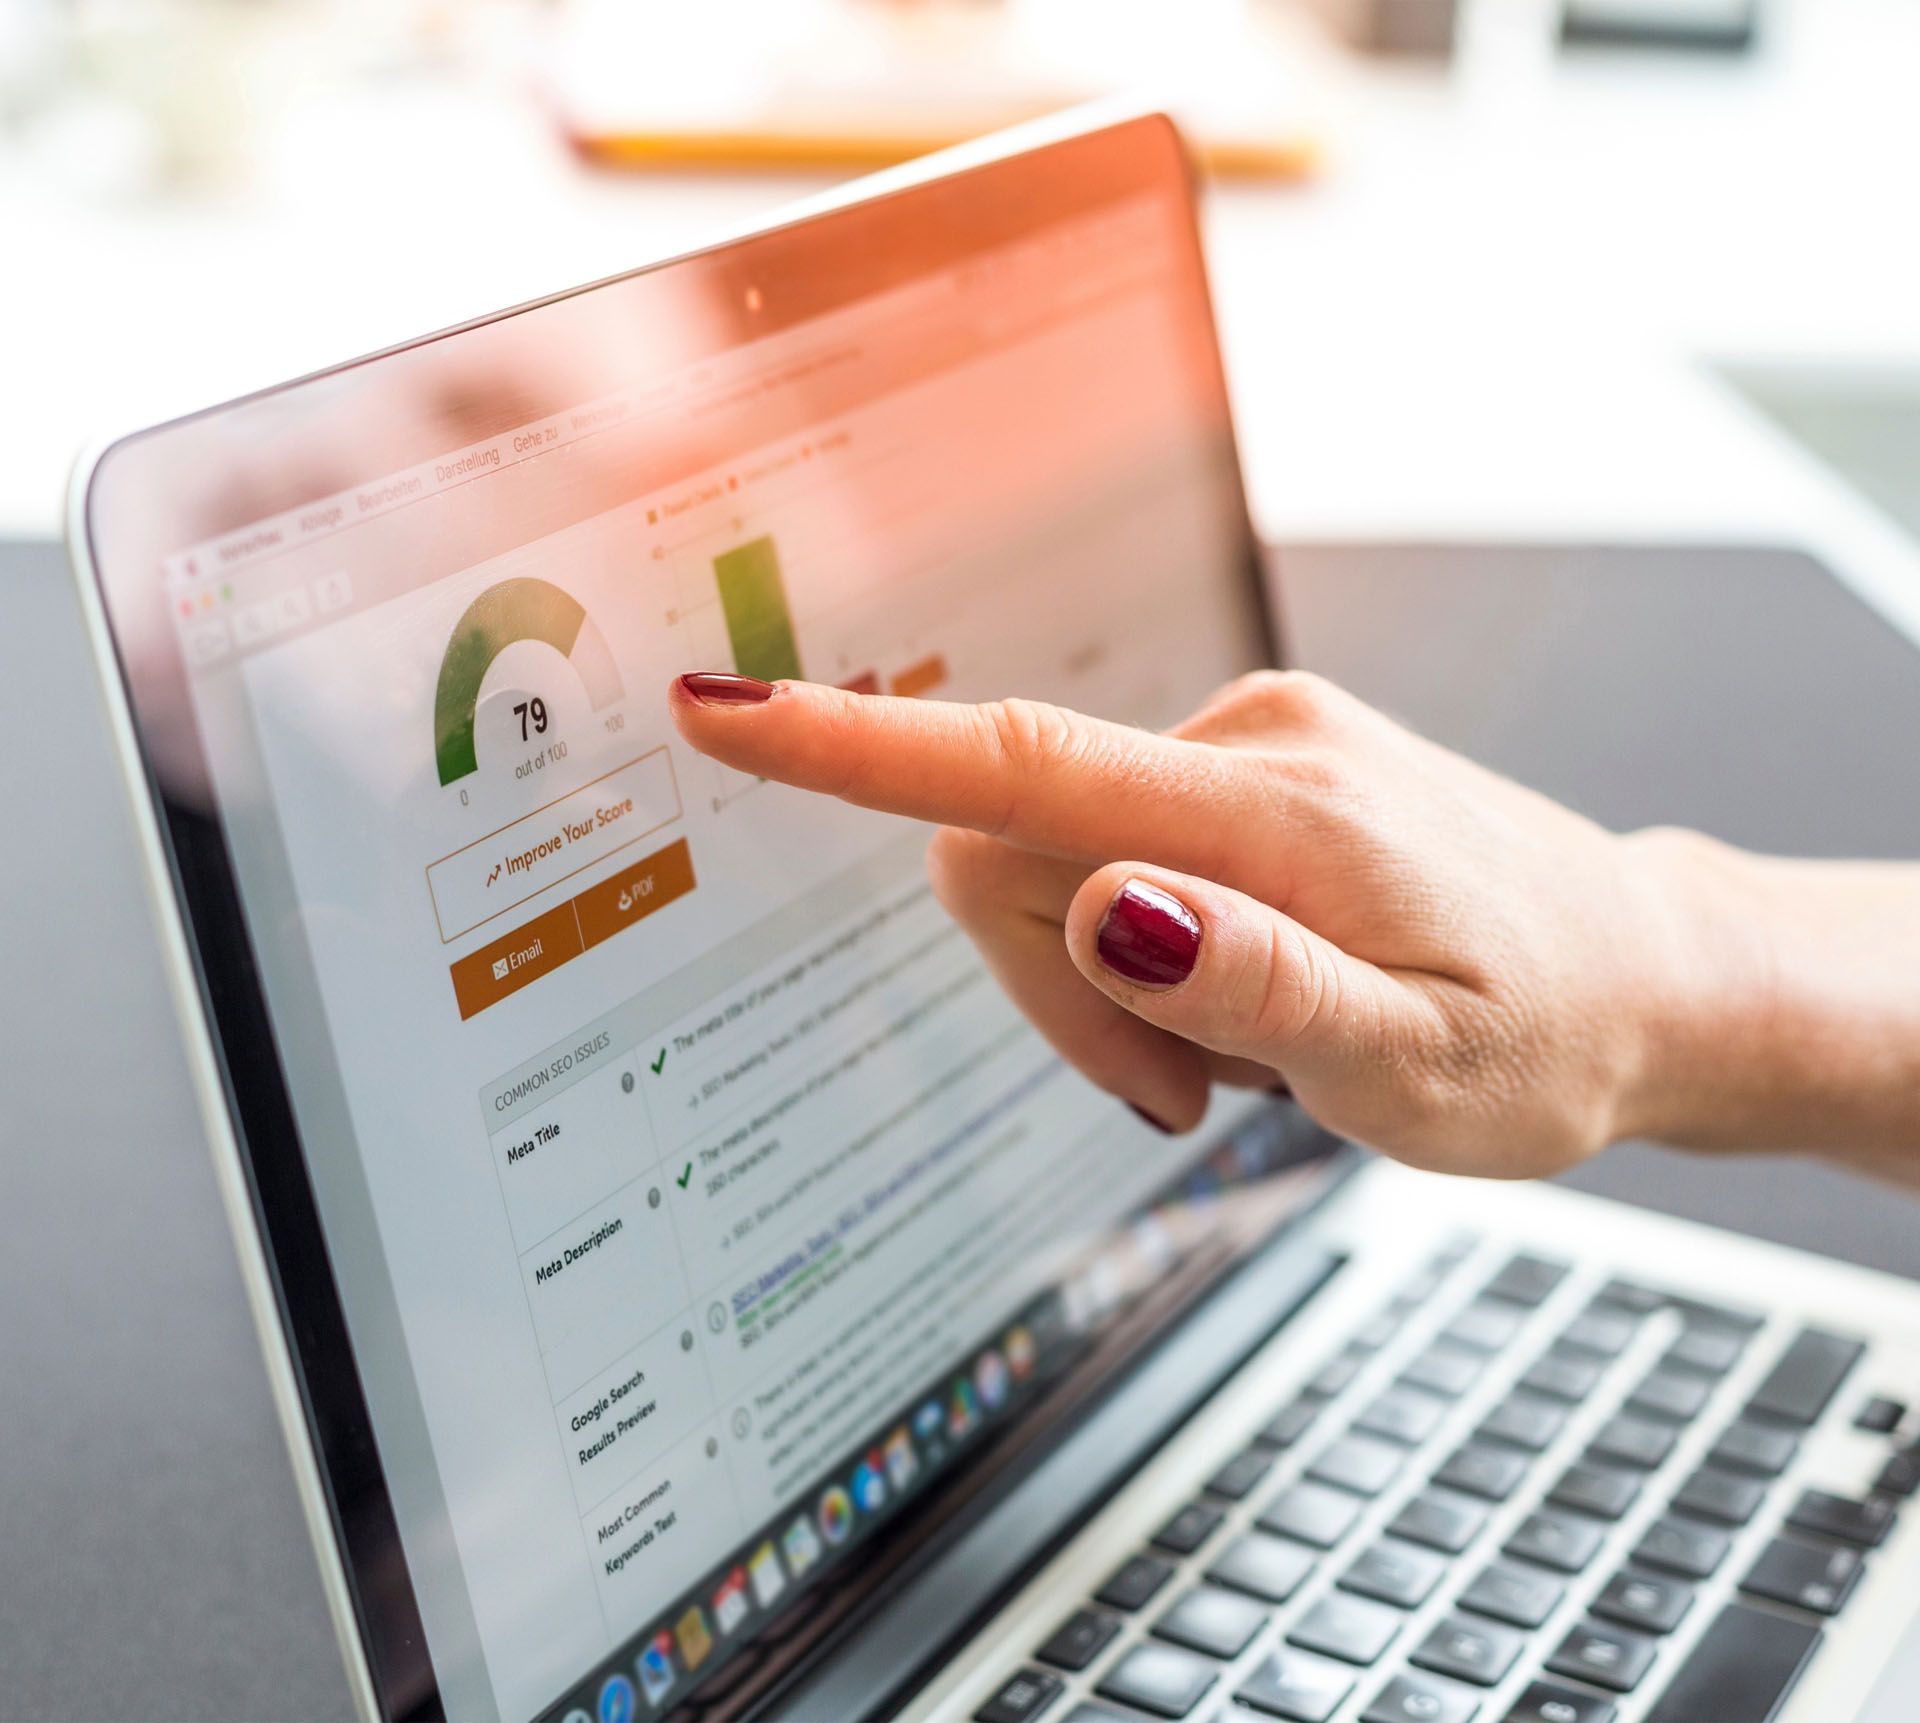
(540, 946)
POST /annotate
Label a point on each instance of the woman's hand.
(1289, 887)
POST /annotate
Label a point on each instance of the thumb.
(1233, 974)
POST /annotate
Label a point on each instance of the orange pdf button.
(634, 892)
(487, 976)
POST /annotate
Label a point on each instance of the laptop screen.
(699, 1212)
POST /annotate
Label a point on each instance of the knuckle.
(1289, 990)
(1033, 742)
(1325, 773)
(1031, 735)
(1296, 698)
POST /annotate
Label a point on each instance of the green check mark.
(657, 1063)
(681, 1181)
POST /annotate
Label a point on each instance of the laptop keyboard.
(1381, 1553)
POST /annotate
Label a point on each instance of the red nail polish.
(1141, 1113)
(723, 688)
(1148, 936)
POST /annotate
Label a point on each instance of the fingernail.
(723, 688)
(1148, 936)
(1164, 1129)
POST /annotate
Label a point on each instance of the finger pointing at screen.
(1288, 886)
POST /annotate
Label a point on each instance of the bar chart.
(753, 599)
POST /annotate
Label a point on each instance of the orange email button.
(532, 950)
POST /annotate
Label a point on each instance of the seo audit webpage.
(667, 1136)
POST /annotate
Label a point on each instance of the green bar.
(758, 622)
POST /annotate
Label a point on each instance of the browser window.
(694, 1196)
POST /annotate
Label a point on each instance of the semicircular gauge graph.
(512, 610)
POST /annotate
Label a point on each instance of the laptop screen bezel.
(228, 1014)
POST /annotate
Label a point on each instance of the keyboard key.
(1602, 1332)
(1078, 1640)
(1021, 1696)
(1691, 1551)
(1439, 1521)
(1719, 1496)
(1697, 1313)
(1670, 1394)
(1755, 1448)
(1527, 1280)
(1555, 1540)
(1489, 1473)
(1359, 1464)
(1484, 1326)
(1420, 1286)
(1219, 1623)
(1707, 1351)
(1596, 1490)
(1134, 1582)
(1160, 1679)
(1235, 1480)
(1900, 1476)
(1311, 1514)
(1523, 1421)
(1189, 1529)
(1402, 1415)
(1289, 1424)
(1348, 1628)
(1549, 1702)
(1634, 1442)
(1639, 1600)
(1376, 1332)
(1807, 1376)
(1443, 1369)
(1263, 1567)
(1829, 1516)
(1300, 1688)
(1332, 1377)
(1631, 1296)
(1879, 1416)
(1564, 1376)
(1804, 1575)
(1513, 1594)
(1091, 1713)
(1406, 1700)
(1468, 1650)
(1611, 1657)
(1744, 1665)
(1395, 1573)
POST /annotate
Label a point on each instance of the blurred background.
(1479, 223)
(1576, 353)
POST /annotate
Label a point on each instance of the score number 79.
(532, 714)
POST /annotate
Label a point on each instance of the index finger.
(1042, 777)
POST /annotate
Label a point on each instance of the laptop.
(688, 1286)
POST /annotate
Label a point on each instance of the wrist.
(1706, 1003)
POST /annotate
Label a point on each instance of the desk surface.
(157, 1566)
